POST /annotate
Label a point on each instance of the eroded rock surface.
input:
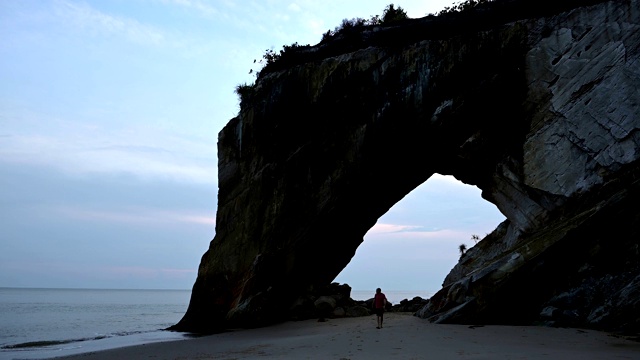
(539, 112)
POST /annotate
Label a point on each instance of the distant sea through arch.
(393, 296)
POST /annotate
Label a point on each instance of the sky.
(109, 117)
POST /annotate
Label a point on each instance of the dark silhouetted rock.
(357, 311)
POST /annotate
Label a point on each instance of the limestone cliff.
(539, 108)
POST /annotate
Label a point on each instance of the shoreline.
(403, 336)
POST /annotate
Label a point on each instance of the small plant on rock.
(463, 249)
(475, 238)
(243, 91)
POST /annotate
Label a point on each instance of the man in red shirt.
(379, 304)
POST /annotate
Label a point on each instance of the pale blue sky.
(109, 116)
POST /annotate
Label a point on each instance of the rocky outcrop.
(541, 112)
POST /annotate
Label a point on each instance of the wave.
(48, 343)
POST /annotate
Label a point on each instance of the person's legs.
(381, 320)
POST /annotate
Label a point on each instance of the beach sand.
(403, 336)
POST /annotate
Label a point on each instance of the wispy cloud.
(197, 219)
(88, 18)
(406, 233)
(136, 216)
(392, 228)
(202, 7)
(294, 7)
(66, 273)
(140, 272)
(143, 152)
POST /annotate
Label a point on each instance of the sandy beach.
(403, 336)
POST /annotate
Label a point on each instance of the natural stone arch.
(322, 149)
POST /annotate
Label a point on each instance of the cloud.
(378, 228)
(65, 273)
(140, 272)
(136, 216)
(141, 151)
(316, 26)
(403, 233)
(202, 7)
(88, 18)
(246, 15)
(183, 41)
(294, 7)
(198, 219)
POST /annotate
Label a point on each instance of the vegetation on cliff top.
(350, 35)
(391, 15)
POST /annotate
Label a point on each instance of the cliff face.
(542, 114)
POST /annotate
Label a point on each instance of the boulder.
(358, 311)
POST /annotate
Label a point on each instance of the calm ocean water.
(393, 296)
(46, 323)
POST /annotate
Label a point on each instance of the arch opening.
(411, 248)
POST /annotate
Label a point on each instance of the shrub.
(463, 6)
(463, 249)
(475, 238)
(374, 20)
(327, 36)
(282, 57)
(389, 15)
(392, 14)
(350, 24)
(244, 91)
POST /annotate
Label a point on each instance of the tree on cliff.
(393, 14)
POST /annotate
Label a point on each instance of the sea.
(393, 296)
(47, 323)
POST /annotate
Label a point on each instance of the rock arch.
(540, 114)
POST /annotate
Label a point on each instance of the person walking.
(379, 304)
